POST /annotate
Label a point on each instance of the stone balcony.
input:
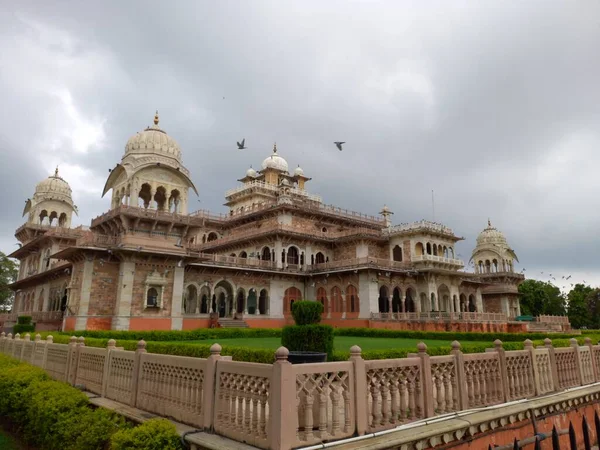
(438, 262)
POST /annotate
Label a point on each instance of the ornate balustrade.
(441, 315)
(282, 406)
(563, 320)
(439, 259)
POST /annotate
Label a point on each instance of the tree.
(9, 271)
(540, 297)
(578, 306)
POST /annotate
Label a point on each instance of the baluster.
(412, 403)
(418, 397)
(385, 418)
(470, 387)
(226, 416)
(263, 421)
(403, 404)
(449, 396)
(347, 424)
(375, 408)
(254, 424)
(511, 380)
(454, 382)
(483, 375)
(240, 407)
(335, 411)
(322, 415)
(439, 394)
(308, 416)
(247, 413)
(394, 395)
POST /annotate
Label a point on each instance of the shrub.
(23, 328)
(155, 434)
(309, 338)
(306, 312)
(24, 320)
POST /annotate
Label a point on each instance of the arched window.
(174, 200)
(428, 248)
(212, 236)
(488, 266)
(43, 216)
(397, 253)
(435, 250)
(472, 303)
(62, 220)
(292, 255)
(290, 296)
(243, 255)
(322, 297)
(266, 254)
(410, 300)
(263, 302)
(396, 300)
(152, 298)
(319, 258)
(190, 300)
(160, 198)
(336, 299)
(495, 265)
(419, 249)
(352, 303)
(145, 195)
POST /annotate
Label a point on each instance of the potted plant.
(308, 341)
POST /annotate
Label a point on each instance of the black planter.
(297, 357)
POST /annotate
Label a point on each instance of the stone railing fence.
(281, 406)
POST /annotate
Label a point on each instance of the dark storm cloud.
(494, 106)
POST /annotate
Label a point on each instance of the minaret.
(386, 213)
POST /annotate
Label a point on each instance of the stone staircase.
(225, 322)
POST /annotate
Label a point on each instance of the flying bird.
(339, 145)
(241, 146)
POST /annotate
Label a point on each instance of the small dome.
(298, 171)
(53, 188)
(275, 162)
(491, 235)
(285, 182)
(251, 172)
(153, 140)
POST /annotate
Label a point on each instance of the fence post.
(70, 356)
(36, 342)
(426, 381)
(76, 356)
(553, 366)
(534, 374)
(588, 343)
(135, 378)
(209, 386)
(110, 346)
(503, 370)
(26, 339)
(283, 421)
(3, 342)
(49, 340)
(461, 379)
(360, 389)
(575, 347)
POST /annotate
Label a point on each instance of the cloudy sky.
(493, 105)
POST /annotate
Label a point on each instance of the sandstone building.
(149, 263)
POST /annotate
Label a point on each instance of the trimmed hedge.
(309, 338)
(24, 325)
(306, 312)
(53, 415)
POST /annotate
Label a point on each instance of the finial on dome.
(156, 118)
(489, 223)
(56, 172)
(275, 147)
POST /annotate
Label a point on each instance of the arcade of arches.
(405, 302)
(223, 300)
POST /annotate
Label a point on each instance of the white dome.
(275, 162)
(251, 172)
(298, 171)
(491, 235)
(53, 188)
(153, 140)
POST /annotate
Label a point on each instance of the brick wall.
(139, 290)
(344, 251)
(103, 292)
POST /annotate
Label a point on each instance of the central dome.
(153, 140)
(275, 162)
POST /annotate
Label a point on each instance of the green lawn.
(342, 343)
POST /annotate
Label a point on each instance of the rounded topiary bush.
(306, 312)
(155, 434)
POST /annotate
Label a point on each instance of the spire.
(489, 223)
(275, 147)
(56, 172)
(156, 118)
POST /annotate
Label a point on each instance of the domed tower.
(52, 203)
(493, 260)
(273, 166)
(492, 253)
(151, 173)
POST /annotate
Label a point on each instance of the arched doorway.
(190, 300)
(336, 300)
(463, 302)
(396, 307)
(293, 256)
(352, 304)
(263, 302)
(410, 300)
(239, 304)
(444, 298)
(472, 303)
(397, 253)
(224, 298)
(266, 254)
(425, 303)
(384, 305)
(290, 296)
(319, 258)
(322, 297)
(251, 301)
